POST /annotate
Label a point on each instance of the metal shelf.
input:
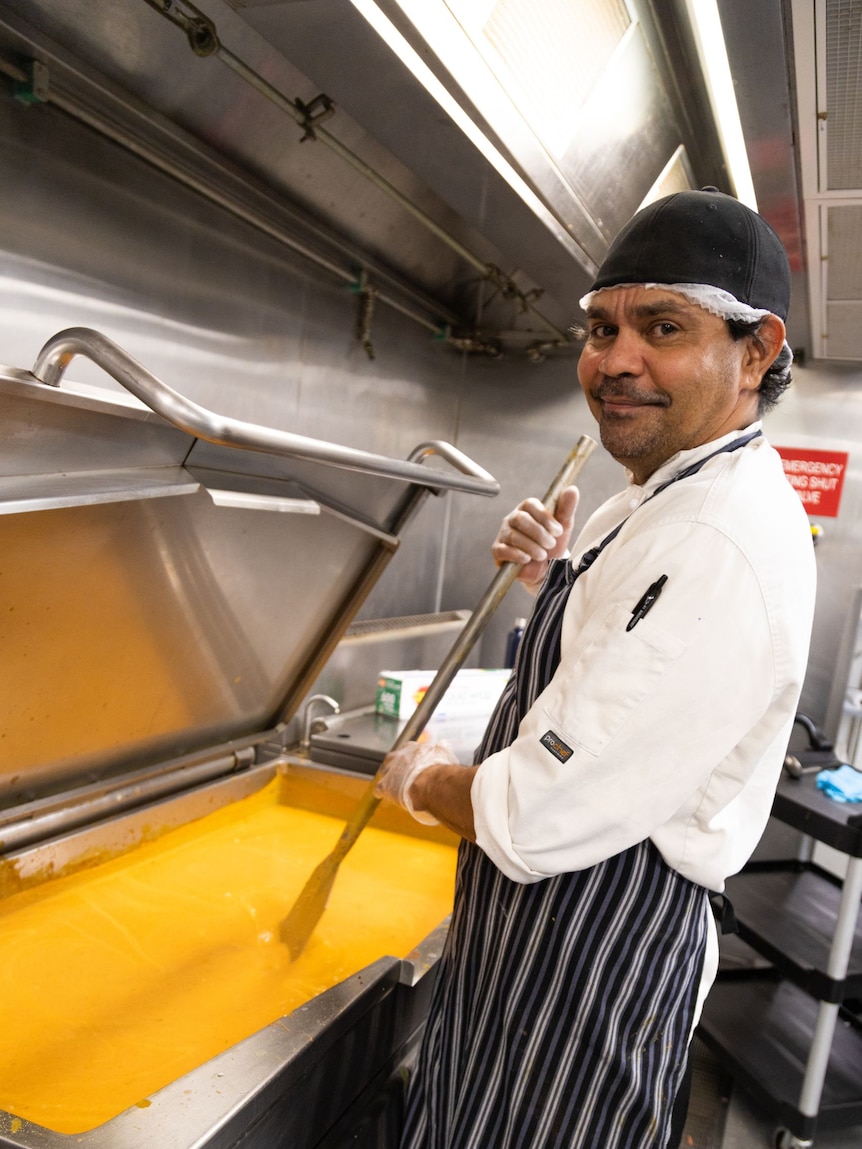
(761, 1029)
(789, 916)
(785, 1034)
(800, 804)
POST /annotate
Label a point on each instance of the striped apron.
(562, 1010)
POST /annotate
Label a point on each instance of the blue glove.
(843, 784)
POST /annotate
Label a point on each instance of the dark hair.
(778, 378)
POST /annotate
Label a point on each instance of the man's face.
(662, 375)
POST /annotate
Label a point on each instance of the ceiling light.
(712, 51)
(445, 36)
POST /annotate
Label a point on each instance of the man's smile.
(616, 399)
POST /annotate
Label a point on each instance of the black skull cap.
(702, 237)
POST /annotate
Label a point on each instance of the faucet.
(306, 724)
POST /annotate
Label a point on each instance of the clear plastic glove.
(530, 535)
(403, 766)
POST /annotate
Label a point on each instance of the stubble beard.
(632, 437)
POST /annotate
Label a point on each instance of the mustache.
(625, 390)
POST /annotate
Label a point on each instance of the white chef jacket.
(678, 727)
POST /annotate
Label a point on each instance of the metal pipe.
(203, 38)
(212, 427)
(221, 199)
(71, 815)
(827, 1015)
(492, 598)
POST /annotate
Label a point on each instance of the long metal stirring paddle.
(300, 923)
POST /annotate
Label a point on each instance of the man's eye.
(601, 331)
(665, 328)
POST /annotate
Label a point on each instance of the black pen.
(647, 602)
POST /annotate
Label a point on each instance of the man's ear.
(762, 348)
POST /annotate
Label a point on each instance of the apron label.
(556, 746)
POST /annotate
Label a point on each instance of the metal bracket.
(471, 342)
(33, 90)
(199, 29)
(507, 287)
(319, 109)
(367, 295)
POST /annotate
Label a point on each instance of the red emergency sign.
(816, 476)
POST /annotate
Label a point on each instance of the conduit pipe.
(204, 41)
(95, 118)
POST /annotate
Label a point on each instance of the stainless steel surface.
(50, 492)
(184, 623)
(38, 821)
(359, 740)
(79, 828)
(56, 355)
(86, 92)
(371, 645)
(287, 48)
(581, 191)
(304, 118)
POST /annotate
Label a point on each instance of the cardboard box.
(470, 692)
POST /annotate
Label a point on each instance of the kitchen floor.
(722, 1115)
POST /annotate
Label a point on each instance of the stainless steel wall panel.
(136, 630)
(142, 53)
(89, 235)
(47, 430)
(186, 621)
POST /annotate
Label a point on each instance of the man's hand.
(431, 784)
(403, 766)
(532, 536)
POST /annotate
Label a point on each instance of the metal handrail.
(61, 349)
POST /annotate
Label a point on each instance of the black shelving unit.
(792, 1034)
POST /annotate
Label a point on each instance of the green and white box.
(470, 692)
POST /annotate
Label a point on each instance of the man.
(631, 763)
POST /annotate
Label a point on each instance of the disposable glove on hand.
(403, 766)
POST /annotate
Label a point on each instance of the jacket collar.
(683, 459)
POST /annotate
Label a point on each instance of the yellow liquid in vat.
(118, 980)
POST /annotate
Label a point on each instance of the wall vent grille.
(827, 40)
(844, 93)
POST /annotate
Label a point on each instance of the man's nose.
(623, 355)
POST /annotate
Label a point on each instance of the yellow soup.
(117, 980)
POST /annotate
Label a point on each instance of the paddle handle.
(493, 596)
(464, 643)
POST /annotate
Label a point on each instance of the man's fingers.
(567, 504)
(530, 535)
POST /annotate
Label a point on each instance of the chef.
(630, 765)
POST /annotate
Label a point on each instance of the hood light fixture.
(711, 48)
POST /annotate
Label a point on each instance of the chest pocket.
(613, 676)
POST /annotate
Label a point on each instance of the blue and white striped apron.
(562, 1010)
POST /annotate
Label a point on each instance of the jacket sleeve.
(635, 723)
